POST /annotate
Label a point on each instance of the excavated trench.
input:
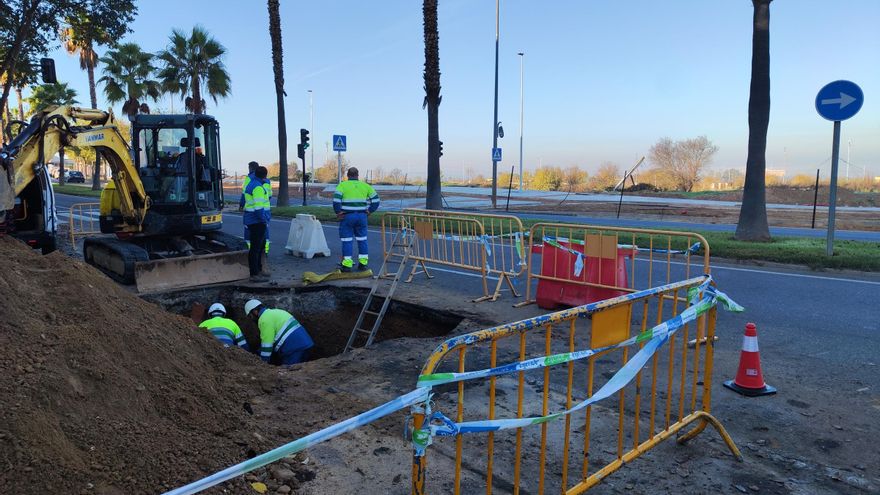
(327, 312)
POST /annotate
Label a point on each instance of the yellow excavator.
(167, 220)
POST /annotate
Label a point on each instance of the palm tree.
(46, 95)
(278, 69)
(127, 78)
(80, 37)
(752, 225)
(193, 66)
(433, 199)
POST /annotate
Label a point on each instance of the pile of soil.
(104, 393)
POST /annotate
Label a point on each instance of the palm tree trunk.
(61, 166)
(197, 95)
(752, 225)
(20, 103)
(433, 198)
(278, 69)
(93, 99)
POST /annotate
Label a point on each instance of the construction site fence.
(684, 376)
(533, 425)
(84, 219)
(502, 239)
(456, 242)
(604, 262)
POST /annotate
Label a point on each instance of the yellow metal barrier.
(505, 237)
(84, 219)
(451, 241)
(576, 264)
(570, 455)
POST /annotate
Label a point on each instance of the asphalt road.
(824, 320)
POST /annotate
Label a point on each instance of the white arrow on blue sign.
(839, 100)
(496, 154)
(339, 143)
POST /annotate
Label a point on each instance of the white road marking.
(769, 272)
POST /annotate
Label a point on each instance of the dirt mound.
(104, 393)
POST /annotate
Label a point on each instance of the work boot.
(344, 269)
(362, 267)
(260, 277)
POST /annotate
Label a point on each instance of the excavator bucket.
(192, 271)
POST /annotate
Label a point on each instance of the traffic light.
(441, 148)
(300, 152)
(304, 138)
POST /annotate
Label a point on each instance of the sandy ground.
(802, 442)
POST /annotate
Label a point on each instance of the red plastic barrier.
(559, 263)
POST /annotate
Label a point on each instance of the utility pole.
(495, 121)
(312, 128)
(521, 58)
(848, 146)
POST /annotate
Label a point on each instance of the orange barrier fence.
(564, 447)
(449, 241)
(84, 219)
(504, 239)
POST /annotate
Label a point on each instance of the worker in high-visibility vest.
(224, 329)
(353, 201)
(252, 167)
(282, 339)
(257, 196)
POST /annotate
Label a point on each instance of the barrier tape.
(415, 397)
(440, 425)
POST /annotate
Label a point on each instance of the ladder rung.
(388, 276)
(361, 330)
(371, 312)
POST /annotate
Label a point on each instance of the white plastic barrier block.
(306, 237)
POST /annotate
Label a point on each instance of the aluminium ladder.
(401, 247)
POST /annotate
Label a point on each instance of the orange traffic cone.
(749, 380)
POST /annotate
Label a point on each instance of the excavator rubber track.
(222, 258)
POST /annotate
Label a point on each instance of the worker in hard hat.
(282, 339)
(224, 329)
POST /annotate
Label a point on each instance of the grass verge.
(76, 190)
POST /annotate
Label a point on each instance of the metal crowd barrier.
(84, 219)
(507, 257)
(543, 433)
(593, 260)
(455, 242)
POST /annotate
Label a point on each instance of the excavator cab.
(178, 160)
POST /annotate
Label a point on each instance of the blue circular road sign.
(839, 100)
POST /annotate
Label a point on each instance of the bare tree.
(574, 177)
(608, 174)
(752, 224)
(683, 162)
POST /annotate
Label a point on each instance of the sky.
(603, 80)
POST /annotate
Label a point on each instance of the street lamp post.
(521, 58)
(312, 128)
(495, 121)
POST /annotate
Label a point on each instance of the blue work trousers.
(353, 227)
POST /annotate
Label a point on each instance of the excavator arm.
(61, 126)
